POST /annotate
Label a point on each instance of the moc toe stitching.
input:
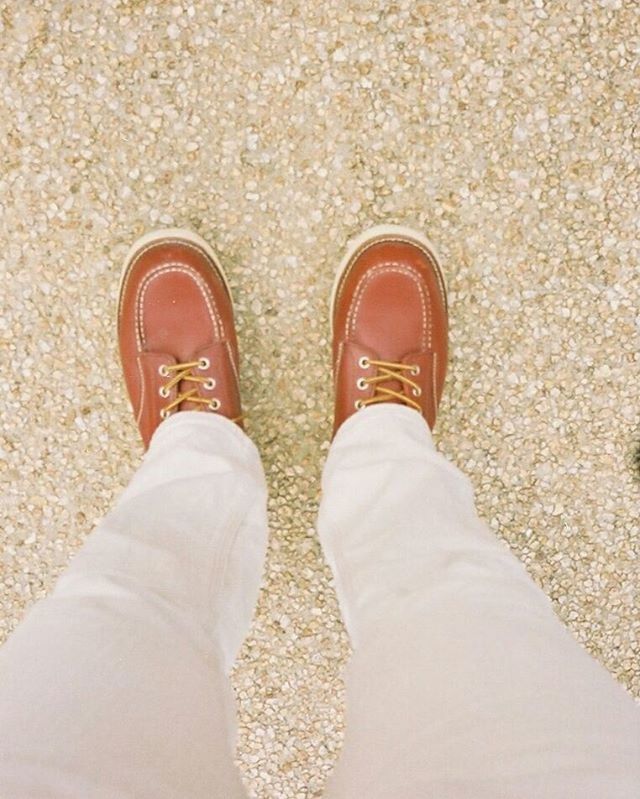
(393, 240)
(153, 245)
(391, 267)
(161, 270)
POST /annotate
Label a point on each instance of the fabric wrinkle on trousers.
(463, 683)
(116, 684)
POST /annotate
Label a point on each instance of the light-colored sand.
(505, 130)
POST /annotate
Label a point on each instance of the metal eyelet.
(417, 392)
(415, 370)
(215, 404)
(204, 363)
(164, 392)
(364, 362)
(163, 371)
(210, 384)
(358, 405)
(362, 384)
(165, 414)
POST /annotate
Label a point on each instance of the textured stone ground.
(506, 130)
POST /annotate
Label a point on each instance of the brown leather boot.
(389, 318)
(175, 328)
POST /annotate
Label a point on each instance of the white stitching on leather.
(233, 363)
(141, 375)
(182, 242)
(198, 280)
(393, 240)
(338, 360)
(397, 268)
(433, 382)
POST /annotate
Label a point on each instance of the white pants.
(462, 685)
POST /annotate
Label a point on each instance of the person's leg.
(116, 684)
(463, 683)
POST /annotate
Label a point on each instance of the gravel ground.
(507, 131)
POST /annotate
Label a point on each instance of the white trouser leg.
(116, 684)
(463, 683)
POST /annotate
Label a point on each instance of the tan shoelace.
(388, 371)
(179, 372)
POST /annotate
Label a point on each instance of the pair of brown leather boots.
(180, 352)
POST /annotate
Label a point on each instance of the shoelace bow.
(183, 372)
(389, 371)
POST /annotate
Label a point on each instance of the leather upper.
(175, 308)
(390, 306)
